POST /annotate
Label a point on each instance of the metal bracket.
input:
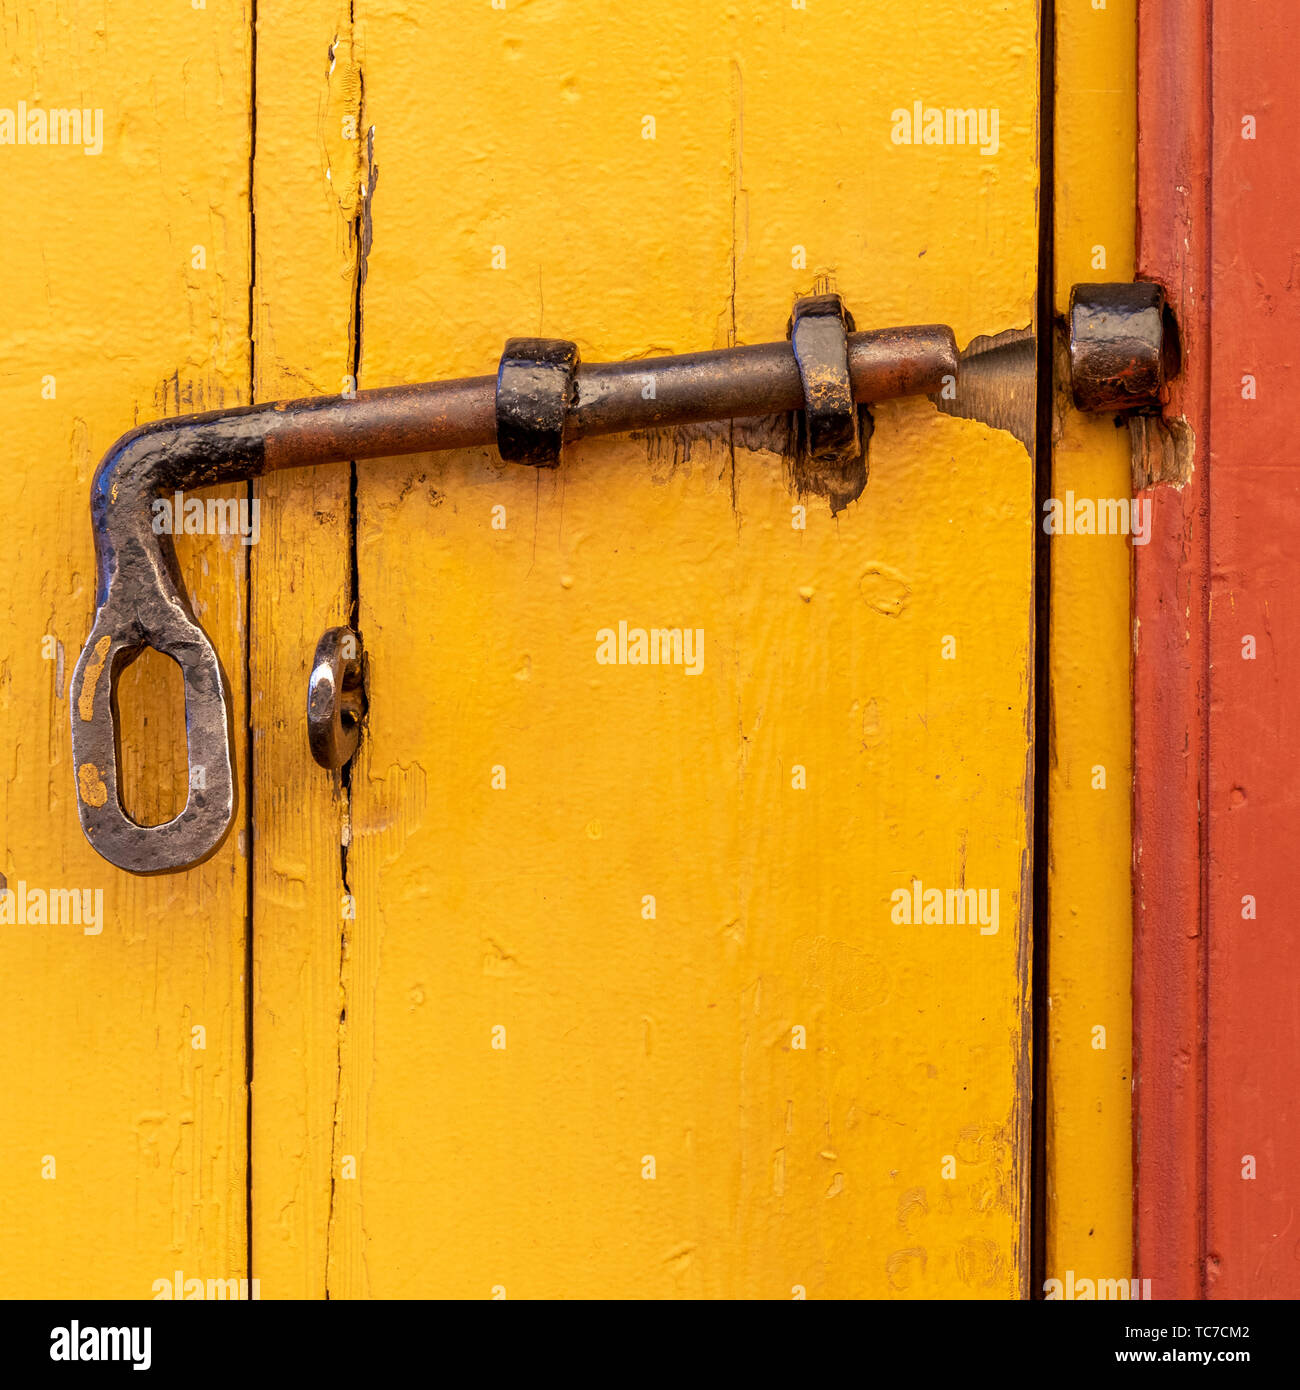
(535, 389)
(832, 460)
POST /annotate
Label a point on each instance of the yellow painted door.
(587, 980)
(123, 1114)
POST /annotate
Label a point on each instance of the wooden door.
(589, 979)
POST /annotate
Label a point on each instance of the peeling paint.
(1164, 451)
(90, 785)
(94, 669)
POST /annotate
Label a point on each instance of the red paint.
(1253, 1047)
(1170, 582)
(1216, 997)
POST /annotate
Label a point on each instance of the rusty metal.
(1120, 349)
(997, 384)
(141, 600)
(336, 697)
(831, 458)
(535, 392)
(1123, 347)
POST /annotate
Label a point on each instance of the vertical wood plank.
(518, 195)
(310, 189)
(122, 1122)
(1089, 1079)
(892, 1159)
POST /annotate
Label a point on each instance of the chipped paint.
(90, 785)
(1164, 451)
(94, 669)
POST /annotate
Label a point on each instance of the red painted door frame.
(1217, 659)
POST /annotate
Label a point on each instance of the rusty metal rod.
(141, 600)
(727, 384)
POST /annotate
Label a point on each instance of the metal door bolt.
(1123, 350)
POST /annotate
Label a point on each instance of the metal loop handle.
(195, 833)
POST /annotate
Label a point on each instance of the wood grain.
(122, 1155)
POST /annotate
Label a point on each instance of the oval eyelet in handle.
(196, 832)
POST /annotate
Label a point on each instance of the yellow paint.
(1089, 1213)
(91, 785)
(515, 913)
(757, 1088)
(122, 1144)
(94, 669)
(305, 289)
